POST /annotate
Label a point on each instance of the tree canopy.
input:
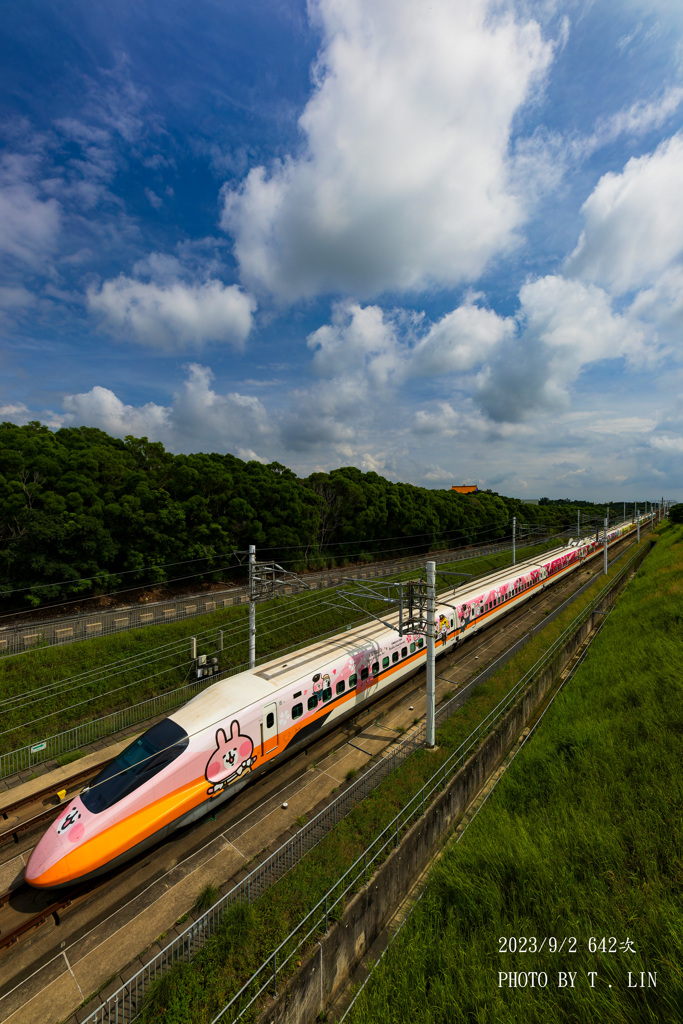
(82, 512)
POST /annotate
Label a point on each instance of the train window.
(385, 663)
(394, 656)
(404, 652)
(364, 673)
(412, 648)
(297, 711)
(451, 623)
(327, 693)
(486, 607)
(296, 695)
(135, 765)
(352, 681)
(313, 702)
(420, 642)
(375, 668)
(340, 686)
(270, 720)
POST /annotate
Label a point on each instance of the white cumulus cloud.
(29, 224)
(198, 419)
(359, 340)
(173, 315)
(461, 340)
(565, 325)
(403, 179)
(101, 408)
(633, 222)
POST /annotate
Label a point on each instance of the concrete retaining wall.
(338, 953)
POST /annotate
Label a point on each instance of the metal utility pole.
(624, 511)
(514, 529)
(431, 656)
(266, 580)
(605, 547)
(252, 608)
(578, 524)
(635, 507)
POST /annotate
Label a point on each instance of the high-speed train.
(211, 748)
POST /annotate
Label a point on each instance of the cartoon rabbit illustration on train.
(230, 760)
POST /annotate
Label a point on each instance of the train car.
(208, 750)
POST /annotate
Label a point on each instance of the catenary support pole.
(635, 505)
(514, 530)
(252, 609)
(605, 547)
(431, 657)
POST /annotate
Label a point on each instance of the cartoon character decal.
(68, 824)
(231, 759)
(321, 682)
(442, 629)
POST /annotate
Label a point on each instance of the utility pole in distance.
(605, 547)
(431, 655)
(252, 608)
(514, 528)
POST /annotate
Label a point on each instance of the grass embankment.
(582, 839)
(196, 993)
(49, 689)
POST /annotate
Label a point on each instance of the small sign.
(38, 747)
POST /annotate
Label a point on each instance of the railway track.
(29, 812)
(24, 911)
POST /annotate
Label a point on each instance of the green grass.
(90, 679)
(219, 970)
(206, 898)
(582, 838)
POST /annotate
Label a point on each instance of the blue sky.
(440, 240)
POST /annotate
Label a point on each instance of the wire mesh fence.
(52, 747)
(18, 638)
(124, 1004)
(47, 748)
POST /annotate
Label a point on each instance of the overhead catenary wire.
(318, 599)
(207, 633)
(464, 531)
(92, 676)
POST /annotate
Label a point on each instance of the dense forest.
(82, 512)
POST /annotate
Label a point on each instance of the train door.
(269, 728)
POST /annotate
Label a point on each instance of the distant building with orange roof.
(465, 488)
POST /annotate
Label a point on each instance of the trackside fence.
(17, 638)
(124, 1004)
(79, 736)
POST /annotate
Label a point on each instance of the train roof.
(234, 692)
(257, 685)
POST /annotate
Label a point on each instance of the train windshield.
(137, 764)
